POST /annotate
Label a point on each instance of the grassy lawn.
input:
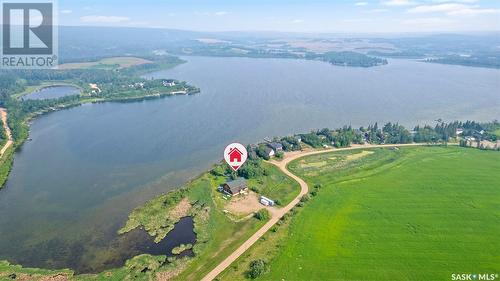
(5, 164)
(275, 185)
(408, 214)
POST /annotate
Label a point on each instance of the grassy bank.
(275, 185)
(217, 233)
(407, 214)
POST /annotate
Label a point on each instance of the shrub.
(257, 268)
(305, 198)
(220, 170)
(181, 248)
(262, 215)
(261, 151)
(252, 169)
(280, 155)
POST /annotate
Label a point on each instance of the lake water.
(52, 92)
(72, 187)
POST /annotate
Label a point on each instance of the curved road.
(278, 213)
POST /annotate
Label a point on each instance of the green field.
(497, 132)
(275, 185)
(107, 63)
(408, 214)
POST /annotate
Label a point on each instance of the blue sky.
(363, 16)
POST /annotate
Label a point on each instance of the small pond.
(52, 92)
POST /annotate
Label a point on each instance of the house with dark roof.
(235, 187)
(269, 151)
(276, 146)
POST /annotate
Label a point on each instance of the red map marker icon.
(235, 155)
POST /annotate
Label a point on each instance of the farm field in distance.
(407, 214)
(107, 63)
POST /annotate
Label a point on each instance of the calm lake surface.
(73, 185)
(52, 92)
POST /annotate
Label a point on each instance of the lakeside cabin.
(235, 187)
(269, 151)
(276, 146)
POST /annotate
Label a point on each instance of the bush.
(305, 198)
(257, 268)
(220, 170)
(280, 155)
(262, 215)
(181, 248)
(318, 186)
(261, 151)
(252, 169)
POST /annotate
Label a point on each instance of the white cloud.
(219, 13)
(361, 3)
(376, 11)
(398, 3)
(66, 11)
(103, 19)
(445, 8)
(452, 9)
(473, 12)
(426, 21)
(297, 21)
(456, 1)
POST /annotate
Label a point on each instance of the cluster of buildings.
(168, 83)
(138, 85)
(271, 149)
(165, 83)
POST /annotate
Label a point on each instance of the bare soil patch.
(244, 204)
(181, 210)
